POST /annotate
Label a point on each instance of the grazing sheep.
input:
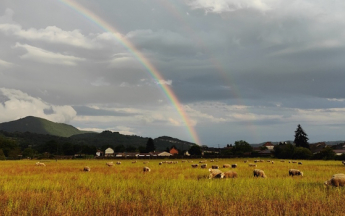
(261, 161)
(252, 165)
(40, 164)
(233, 165)
(211, 160)
(259, 173)
(272, 162)
(118, 162)
(268, 161)
(336, 180)
(175, 162)
(343, 162)
(215, 173)
(215, 167)
(203, 166)
(146, 169)
(230, 174)
(256, 161)
(110, 164)
(195, 165)
(282, 161)
(294, 161)
(183, 161)
(245, 161)
(87, 169)
(190, 161)
(299, 163)
(134, 161)
(160, 163)
(202, 161)
(145, 162)
(226, 165)
(293, 172)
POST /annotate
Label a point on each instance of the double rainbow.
(141, 58)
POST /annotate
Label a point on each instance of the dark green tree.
(28, 153)
(302, 153)
(150, 145)
(142, 149)
(325, 154)
(195, 150)
(241, 147)
(284, 151)
(301, 139)
(131, 149)
(2, 155)
(120, 148)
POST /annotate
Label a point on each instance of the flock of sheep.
(336, 180)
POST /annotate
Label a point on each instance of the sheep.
(145, 162)
(190, 161)
(268, 161)
(183, 161)
(87, 169)
(215, 167)
(230, 174)
(134, 161)
(146, 169)
(282, 161)
(293, 172)
(160, 163)
(233, 165)
(294, 162)
(203, 166)
(252, 165)
(245, 161)
(118, 162)
(336, 180)
(226, 165)
(175, 162)
(289, 161)
(215, 173)
(259, 173)
(110, 164)
(299, 163)
(261, 161)
(40, 164)
(195, 165)
(272, 162)
(343, 162)
(202, 161)
(211, 160)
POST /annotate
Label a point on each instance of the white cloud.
(164, 82)
(336, 99)
(100, 81)
(44, 56)
(50, 34)
(20, 104)
(5, 64)
(7, 17)
(220, 6)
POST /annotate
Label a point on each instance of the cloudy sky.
(241, 69)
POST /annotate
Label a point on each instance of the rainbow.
(141, 58)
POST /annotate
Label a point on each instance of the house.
(173, 151)
(164, 154)
(317, 147)
(268, 145)
(109, 152)
(339, 151)
(186, 153)
(99, 153)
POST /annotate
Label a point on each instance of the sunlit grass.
(62, 188)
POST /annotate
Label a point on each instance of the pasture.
(62, 188)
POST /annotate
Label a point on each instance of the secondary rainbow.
(141, 58)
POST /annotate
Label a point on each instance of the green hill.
(40, 126)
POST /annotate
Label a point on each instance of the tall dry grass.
(62, 188)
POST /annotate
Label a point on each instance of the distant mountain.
(40, 126)
(167, 142)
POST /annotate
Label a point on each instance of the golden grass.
(62, 188)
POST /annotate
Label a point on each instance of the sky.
(204, 71)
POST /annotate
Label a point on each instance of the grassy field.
(62, 188)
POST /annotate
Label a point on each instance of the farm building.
(109, 152)
(173, 151)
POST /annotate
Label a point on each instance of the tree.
(302, 153)
(325, 154)
(241, 147)
(150, 145)
(2, 155)
(28, 153)
(284, 151)
(301, 139)
(195, 150)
